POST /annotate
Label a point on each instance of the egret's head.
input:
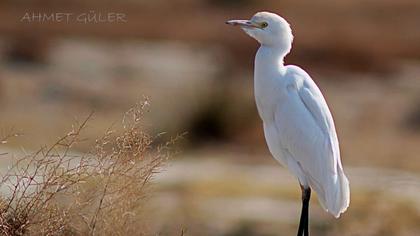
(268, 29)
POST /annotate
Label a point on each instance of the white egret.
(298, 126)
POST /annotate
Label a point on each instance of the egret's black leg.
(306, 204)
(304, 216)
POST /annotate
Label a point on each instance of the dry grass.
(55, 192)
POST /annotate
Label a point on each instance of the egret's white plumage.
(298, 126)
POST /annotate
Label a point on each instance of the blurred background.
(60, 60)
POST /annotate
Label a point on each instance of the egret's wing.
(318, 108)
(307, 132)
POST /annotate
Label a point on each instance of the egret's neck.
(269, 61)
(269, 69)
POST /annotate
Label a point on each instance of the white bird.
(298, 125)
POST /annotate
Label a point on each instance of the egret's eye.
(264, 24)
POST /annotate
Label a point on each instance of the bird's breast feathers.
(274, 91)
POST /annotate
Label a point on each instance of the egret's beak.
(243, 23)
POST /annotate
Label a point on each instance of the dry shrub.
(57, 192)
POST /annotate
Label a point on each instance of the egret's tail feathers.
(334, 196)
(338, 197)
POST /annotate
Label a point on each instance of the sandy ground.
(226, 191)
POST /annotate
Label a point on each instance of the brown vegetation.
(56, 192)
